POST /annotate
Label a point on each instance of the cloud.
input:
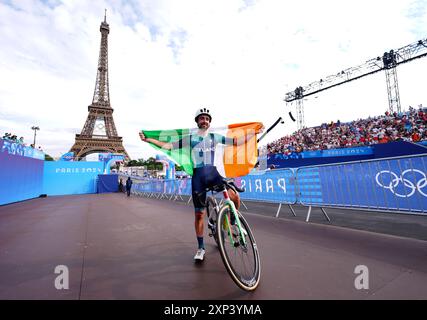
(168, 58)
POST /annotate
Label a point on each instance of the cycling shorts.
(204, 177)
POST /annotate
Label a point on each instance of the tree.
(151, 164)
(133, 163)
(48, 157)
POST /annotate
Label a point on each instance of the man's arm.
(161, 144)
(234, 141)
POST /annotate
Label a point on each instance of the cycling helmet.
(202, 111)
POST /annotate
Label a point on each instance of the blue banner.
(282, 156)
(21, 177)
(108, 183)
(15, 148)
(345, 152)
(184, 186)
(71, 177)
(309, 187)
(399, 184)
(69, 156)
(272, 186)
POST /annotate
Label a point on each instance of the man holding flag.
(208, 157)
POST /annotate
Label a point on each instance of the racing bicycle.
(234, 237)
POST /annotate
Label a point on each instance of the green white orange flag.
(234, 151)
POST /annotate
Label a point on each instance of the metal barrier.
(159, 189)
(276, 186)
(309, 189)
(391, 184)
(272, 186)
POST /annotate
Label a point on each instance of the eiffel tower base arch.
(84, 146)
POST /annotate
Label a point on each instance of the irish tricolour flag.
(232, 149)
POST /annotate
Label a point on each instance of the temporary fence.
(396, 184)
(392, 184)
(169, 189)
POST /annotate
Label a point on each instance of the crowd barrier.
(273, 186)
(394, 184)
(171, 189)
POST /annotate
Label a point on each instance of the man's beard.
(203, 126)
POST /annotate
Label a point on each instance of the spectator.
(128, 186)
(404, 126)
(6, 136)
(13, 138)
(415, 136)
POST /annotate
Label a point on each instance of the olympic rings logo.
(395, 180)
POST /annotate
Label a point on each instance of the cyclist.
(205, 174)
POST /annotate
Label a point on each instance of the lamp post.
(35, 132)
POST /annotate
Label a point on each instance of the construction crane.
(388, 62)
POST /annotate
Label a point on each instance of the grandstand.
(384, 136)
(409, 126)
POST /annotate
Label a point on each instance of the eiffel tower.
(99, 133)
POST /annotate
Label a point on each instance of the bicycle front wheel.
(241, 258)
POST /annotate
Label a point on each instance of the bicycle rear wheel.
(241, 260)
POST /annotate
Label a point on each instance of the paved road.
(135, 248)
(398, 224)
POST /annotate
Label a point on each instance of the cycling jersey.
(205, 174)
(202, 148)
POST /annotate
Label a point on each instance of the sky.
(168, 58)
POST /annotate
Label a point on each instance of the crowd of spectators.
(14, 138)
(404, 126)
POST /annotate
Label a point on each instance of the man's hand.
(142, 136)
(161, 144)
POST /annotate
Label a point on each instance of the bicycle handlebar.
(226, 183)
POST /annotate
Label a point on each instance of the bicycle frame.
(230, 203)
(243, 241)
